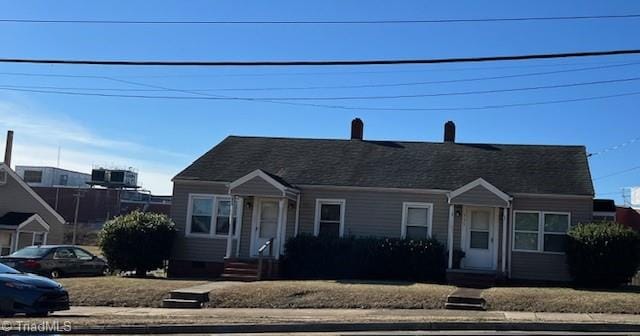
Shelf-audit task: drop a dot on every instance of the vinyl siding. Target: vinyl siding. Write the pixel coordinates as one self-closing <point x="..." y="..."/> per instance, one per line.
<point x="257" y="186"/>
<point x="547" y="266"/>
<point x="377" y="214"/>
<point x="13" y="197"/>
<point x="190" y="248"/>
<point x="479" y="195"/>
<point x="245" y="229"/>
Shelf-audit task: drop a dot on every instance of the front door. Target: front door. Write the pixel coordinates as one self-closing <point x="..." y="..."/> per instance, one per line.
<point x="265" y="225"/>
<point x="478" y="238"/>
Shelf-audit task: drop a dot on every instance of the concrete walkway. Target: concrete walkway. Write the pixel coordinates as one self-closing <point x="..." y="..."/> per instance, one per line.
<point x="249" y="315"/>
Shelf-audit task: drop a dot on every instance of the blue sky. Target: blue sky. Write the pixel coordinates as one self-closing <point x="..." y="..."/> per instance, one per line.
<point x="160" y="137"/>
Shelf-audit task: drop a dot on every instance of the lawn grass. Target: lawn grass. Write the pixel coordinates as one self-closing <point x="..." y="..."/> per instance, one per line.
<point x="330" y="294"/>
<point x="564" y="300"/>
<point x="121" y="291"/>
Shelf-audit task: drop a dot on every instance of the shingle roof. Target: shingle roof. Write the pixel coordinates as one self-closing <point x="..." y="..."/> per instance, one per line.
<point x="398" y="164"/>
<point x="15" y="218"/>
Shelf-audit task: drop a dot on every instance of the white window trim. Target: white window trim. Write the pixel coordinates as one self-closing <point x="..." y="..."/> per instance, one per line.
<point x="214" y="211"/>
<point x="540" y="232"/>
<point x="405" y="210"/>
<point x="319" y="203"/>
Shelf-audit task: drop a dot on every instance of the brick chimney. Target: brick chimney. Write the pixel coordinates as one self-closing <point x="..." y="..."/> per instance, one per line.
<point x="357" y="129"/>
<point x="449" y="132"/>
<point x="8" y="148"/>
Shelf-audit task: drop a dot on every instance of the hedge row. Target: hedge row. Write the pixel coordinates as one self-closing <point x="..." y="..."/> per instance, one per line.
<point x="309" y="257"/>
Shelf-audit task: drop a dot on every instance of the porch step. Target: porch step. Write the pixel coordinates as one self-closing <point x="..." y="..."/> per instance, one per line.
<point x="196" y="296"/>
<point x="239" y="277"/>
<point x="181" y="303"/>
<point x="240" y="269"/>
<point x="466" y="299"/>
<point x="463" y="306"/>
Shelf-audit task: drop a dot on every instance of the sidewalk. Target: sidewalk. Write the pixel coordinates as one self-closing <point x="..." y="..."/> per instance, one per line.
<point x="113" y="320"/>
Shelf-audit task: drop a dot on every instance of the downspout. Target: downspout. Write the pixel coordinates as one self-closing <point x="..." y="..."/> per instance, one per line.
<point x="450" y="234"/>
<point x="295" y="229"/>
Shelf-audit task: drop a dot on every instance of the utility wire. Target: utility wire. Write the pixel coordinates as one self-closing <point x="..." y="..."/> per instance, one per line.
<point x="439" y="94"/>
<point x="342" y="107"/>
<point x="328" y="87"/>
<point x="323" y="62"/>
<point x="617" y="173"/>
<point x="616" y="147"/>
<point x="321" y="22"/>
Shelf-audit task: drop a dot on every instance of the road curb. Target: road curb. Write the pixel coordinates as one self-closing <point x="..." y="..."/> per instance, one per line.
<point x="345" y="327"/>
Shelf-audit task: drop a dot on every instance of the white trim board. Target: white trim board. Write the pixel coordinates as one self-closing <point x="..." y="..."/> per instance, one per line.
<point x="260" y="173"/>
<point x="10" y="172"/>
<point x="483" y="183"/>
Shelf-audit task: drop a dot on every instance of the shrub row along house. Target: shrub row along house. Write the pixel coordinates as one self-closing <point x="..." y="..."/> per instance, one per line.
<point x="507" y="207"/>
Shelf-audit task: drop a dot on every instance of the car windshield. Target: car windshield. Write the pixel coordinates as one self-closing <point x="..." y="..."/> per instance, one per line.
<point x="30" y="252"/>
<point x="6" y="269"/>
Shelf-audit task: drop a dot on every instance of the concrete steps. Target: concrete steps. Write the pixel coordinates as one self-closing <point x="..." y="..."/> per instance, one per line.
<point x="466" y="299"/>
<point x="240" y="270"/>
<point x="181" y="303"/>
<point x="471" y="279"/>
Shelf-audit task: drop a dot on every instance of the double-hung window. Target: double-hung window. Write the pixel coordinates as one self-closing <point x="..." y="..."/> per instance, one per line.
<point x="540" y="231"/>
<point x="329" y="217"/>
<point x="208" y="216"/>
<point x="416" y="220"/>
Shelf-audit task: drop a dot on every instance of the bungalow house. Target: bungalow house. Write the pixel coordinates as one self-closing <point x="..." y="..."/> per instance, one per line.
<point x="507" y="207"/>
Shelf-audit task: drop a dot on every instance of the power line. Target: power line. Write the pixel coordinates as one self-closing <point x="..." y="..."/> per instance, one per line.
<point x="377" y="85"/>
<point x="322" y="62"/>
<point x="440" y="94"/>
<point x="321" y="22"/>
<point x="617" y="173"/>
<point x="616" y="147"/>
<point x="342" y="107"/>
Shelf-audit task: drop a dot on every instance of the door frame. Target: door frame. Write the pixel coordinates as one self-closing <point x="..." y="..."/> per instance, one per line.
<point x="494" y="236"/>
<point x="255" y="217"/>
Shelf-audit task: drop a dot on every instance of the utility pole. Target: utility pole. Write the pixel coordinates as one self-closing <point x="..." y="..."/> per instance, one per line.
<point x="78" y="194"/>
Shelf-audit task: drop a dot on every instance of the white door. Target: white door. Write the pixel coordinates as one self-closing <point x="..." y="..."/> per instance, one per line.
<point x="478" y="243"/>
<point x="265" y="225"/>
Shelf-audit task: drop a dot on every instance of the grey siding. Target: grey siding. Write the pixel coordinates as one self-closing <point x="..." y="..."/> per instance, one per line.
<point x="189" y="248"/>
<point x="378" y="213"/>
<point x="547" y="266"/>
<point x="245" y="229"/>
<point x="479" y="195"/>
<point x="257" y="186"/>
<point x="15" y="198"/>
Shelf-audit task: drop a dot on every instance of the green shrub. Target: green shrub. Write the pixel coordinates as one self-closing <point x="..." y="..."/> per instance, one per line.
<point x="139" y="241"/>
<point x="309" y="257"/>
<point x="603" y="254"/>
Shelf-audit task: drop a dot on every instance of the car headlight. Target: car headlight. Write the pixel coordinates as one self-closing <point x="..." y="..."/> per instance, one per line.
<point x="18" y="285"/>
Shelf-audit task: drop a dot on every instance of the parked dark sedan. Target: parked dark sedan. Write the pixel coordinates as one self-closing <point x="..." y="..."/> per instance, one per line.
<point x="30" y="294"/>
<point x="55" y="261"/>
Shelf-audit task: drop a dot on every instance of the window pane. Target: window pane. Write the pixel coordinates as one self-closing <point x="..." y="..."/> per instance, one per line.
<point x="417" y="216"/>
<point x="527" y="221"/>
<point x="202" y="207"/>
<point x="329" y="229"/>
<point x="330" y="212"/>
<point x="417" y="232"/>
<point x="224" y="207"/>
<point x="479" y="240"/>
<point x="556" y="223"/>
<point x="526" y="241"/>
<point x="200" y="224"/>
<point x="33" y="176"/>
<point x="555" y="243"/>
<point x="222" y="225"/>
<point x="480" y="220"/>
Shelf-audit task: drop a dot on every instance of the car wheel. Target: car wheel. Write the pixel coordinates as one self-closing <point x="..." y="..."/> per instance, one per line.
<point x="105" y="271"/>
<point x="55" y="274"/>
